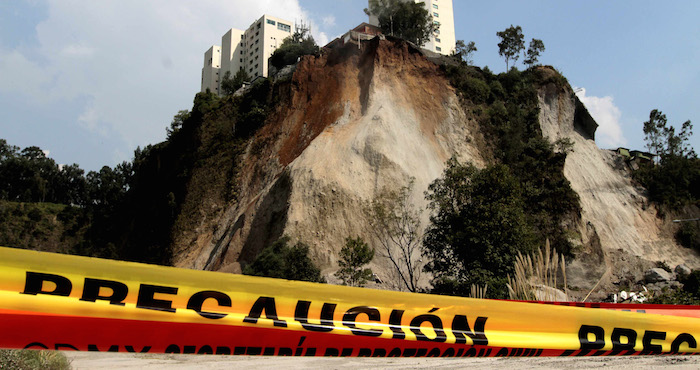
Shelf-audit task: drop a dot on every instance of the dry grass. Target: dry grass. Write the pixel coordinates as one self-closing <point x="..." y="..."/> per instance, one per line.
<point x="536" y="276"/>
<point x="31" y="359"/>
<point x="478" y="291"/>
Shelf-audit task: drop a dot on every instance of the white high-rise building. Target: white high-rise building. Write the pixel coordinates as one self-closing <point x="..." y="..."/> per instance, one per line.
<point x="211" y="70"/>
<point x="248" y="50"/>
<point x="443" y="40"/>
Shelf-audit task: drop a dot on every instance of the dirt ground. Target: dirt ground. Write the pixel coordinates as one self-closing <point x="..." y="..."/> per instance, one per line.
<point x="91" y="360"/>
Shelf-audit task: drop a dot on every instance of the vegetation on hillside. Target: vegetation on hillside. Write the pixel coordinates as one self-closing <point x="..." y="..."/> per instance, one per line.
<point x="537" y="200"/>
<point x="293" y="47"/>
<point x="281" y="261"/>
<point x="395" y="224"/>
<point x="353" y="257"/>
<point x="52" y="227"/>
<point x="673" y="180"/>
<point x="688" y="295"/>
<point x="512" y="44"/>
<point x="128" y="212"/>
<point x="477" y="229"/>
<point x="230" y="85"/>
<point x="464" y="52"/>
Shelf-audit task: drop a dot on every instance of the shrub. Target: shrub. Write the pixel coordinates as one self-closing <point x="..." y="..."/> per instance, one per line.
<point x="688" y="235"/>
<point x="282" y="262"/>
<point x="30" y="359"/>
<point x="477" y="229"/>
<point x="354" y="255"/>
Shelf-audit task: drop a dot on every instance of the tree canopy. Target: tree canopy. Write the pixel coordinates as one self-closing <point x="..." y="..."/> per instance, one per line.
<point x="231" y="85"/>
<point x="662" y="139"/>
<point x="477" y="227"/>
<point x="675" y="181"/>
<point x="464" y="51"/>
<point x="533" y="52"/>
<point x="281" y="261"/>
<point x="405" y="19"/>
<point x="353" y="257"/>
<point x="511" y="44"/>
<point x="300" y="43"/>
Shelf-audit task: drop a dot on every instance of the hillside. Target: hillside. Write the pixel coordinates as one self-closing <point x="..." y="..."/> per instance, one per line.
<point x="349" y="123"/>
<point x="305" y="154"/>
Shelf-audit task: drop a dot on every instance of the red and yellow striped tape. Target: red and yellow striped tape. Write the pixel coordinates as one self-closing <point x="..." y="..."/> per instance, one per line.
<point x="53" y="301"/>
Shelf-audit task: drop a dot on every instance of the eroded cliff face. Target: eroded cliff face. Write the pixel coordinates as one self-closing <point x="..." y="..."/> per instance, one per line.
<point x="352" y="122"/>
<point x="621" y="234"/>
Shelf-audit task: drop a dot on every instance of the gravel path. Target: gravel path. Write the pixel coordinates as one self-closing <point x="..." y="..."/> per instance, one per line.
<point x="89" y="360"/>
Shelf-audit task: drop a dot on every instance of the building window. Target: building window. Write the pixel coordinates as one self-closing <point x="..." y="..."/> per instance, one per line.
<point x="256" y="41"/>
<point x="241" y="60"/>
<point x="438" y="48"/>
<point x="259" y="25"/>
<point x="437" y="32"/>
<point x="256" y="66"/>
<point x="284" y="27"/>
<point x="270" y="21"/>
<point x="437" y="39"/>
<point x="435" y="15"/>
<point x="436" y="23"/>
<point x="242" y="36"/>
<point x="435" y="6"/>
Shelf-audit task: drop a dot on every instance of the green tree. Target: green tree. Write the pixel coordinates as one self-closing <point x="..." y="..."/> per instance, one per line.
<point x="231" y="85"/>
<point x="395" y="223"/>
<point x="511" y="44"/>
<point x="71" y="185"/>
<point x="7" y="151"/>
<point x="354" y="255"/>
<point x="661" y="138"/>
<point x="300" y="43"/>
<point x="280" y="261"/>
<point x="405" y="19"/>
<point x="477" y="227"/>
<point x="533" y="52"/>
<point x="177" y="122"/>
<point x="464" y="51"/>
<point x="675" y="182"/>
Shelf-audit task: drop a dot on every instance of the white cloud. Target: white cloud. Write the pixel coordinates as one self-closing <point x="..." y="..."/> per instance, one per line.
<point x="322" y="39"/>
<point x="328" y="21"/>
<point x="132" y="64"/>
<point x="21" y="75"/>
<point x="607" y="115"/>
<point x="77" y="51"/>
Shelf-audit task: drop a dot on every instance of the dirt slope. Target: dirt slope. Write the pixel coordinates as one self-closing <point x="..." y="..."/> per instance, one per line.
<point x="351" y="122"/>
<point x="621" y="233"/>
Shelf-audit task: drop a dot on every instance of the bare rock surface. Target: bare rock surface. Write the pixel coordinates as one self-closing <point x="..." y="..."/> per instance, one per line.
<point x="657" y="275"/>
<point x="351" y="122"/>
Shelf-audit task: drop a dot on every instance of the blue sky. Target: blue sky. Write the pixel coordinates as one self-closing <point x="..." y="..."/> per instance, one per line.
<point x="91" y="80"/>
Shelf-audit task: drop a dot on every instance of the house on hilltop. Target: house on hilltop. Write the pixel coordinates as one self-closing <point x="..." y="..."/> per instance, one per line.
<point x="363" y="32"/>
